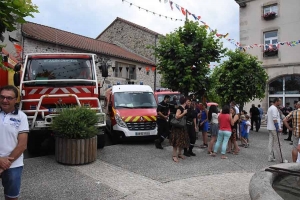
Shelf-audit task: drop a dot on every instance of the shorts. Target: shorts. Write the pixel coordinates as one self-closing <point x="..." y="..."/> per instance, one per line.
<point x="214" y="129"/>
<point x="245" y="135"/>
<point x="295" y="141"/>
<point x="11" y="181"/>
<point x="204" y="127"/>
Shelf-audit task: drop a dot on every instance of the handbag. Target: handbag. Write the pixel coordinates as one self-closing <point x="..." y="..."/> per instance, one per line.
<point x="178" y="123"/>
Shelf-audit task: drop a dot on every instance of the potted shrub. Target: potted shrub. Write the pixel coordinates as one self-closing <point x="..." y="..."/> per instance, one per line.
<point x="270" y="52"/>
<point x="75" y="135"/>
<point x="269" y="15"/>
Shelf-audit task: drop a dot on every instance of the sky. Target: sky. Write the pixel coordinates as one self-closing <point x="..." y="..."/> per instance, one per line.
<point x="90" y="17"/>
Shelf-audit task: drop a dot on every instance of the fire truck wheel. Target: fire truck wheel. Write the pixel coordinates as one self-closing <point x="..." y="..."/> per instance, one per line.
<point x="100" y="141"/>
<point x="34" y="143"/>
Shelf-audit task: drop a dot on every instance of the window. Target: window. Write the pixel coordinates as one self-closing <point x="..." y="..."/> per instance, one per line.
<point x="270" y="38"/>
<point x="292" y="84"/>
<point x="124" y="70"/>
<point x="276" y="86"/>
<point x="271" y="8"/>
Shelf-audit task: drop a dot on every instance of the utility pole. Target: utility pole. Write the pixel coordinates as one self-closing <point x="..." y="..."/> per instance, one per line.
<point x="186" y="15"/>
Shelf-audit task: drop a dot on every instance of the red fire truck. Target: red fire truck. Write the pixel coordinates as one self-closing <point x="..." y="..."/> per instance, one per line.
<point x="48" y="80"/>
<point x="162" y="92"/>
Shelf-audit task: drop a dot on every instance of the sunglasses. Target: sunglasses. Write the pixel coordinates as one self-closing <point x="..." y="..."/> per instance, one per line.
<point x="7" y="98"/>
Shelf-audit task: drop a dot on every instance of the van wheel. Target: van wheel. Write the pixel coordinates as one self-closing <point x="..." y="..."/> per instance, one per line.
<point x="114" y="137"/>
<point x="100" y="141"/>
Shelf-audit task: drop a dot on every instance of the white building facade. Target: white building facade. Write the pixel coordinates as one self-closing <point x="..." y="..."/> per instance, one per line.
<point x="270" y="30"/>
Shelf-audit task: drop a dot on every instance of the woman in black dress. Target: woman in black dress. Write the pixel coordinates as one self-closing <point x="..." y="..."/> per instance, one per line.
<point x="179" y="137"/>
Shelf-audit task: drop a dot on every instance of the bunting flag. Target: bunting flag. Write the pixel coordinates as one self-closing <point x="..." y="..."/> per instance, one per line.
<point x="154" y="13"/>
<point x="171" y="5"/>
<point x="183" y="11"/>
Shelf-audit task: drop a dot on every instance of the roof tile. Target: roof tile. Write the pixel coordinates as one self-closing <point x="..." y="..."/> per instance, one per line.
<point x="60" y="37"/>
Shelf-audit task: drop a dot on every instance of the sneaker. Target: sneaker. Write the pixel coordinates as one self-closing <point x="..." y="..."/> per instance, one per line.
<point x="285" y="161"/>
<point x="158" y="144"/>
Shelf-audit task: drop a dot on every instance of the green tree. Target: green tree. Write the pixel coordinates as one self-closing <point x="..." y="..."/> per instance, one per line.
<point x="240" y="78"/>
<point x="13" y="12"/>
<point x="184" y="55"/>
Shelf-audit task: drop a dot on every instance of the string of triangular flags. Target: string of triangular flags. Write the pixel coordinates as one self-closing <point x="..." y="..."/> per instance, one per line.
<point x="232" y="41"/>
<point x="149" y="11"/>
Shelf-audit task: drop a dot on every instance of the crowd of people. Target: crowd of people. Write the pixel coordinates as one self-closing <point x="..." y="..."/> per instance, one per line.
<point x="227" y="127"/>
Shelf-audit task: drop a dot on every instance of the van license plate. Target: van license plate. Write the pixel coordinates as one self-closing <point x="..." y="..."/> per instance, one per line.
<point x="142" y="133"/>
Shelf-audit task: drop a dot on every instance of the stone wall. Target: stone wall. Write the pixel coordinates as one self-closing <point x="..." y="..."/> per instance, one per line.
<point x="132" y="39"/>
<point x="34" y="46"/>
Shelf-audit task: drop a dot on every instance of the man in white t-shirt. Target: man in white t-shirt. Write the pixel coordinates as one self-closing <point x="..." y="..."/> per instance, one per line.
<point x="273" y="126"/>
<point x="13" y="141"/>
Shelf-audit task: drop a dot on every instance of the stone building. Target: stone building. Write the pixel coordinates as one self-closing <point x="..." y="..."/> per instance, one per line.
<point x="125" y="65"/>
<point x="275" y="24"/>
<point x="133" y="37"/>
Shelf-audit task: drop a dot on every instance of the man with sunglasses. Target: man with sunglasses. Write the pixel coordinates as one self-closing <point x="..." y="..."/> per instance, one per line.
<point x="13" y="141"/>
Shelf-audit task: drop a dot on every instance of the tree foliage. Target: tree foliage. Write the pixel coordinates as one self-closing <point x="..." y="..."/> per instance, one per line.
<point x="13" y="12"/>
<point x="188" y="46"/>
<point x="241" y="78"/>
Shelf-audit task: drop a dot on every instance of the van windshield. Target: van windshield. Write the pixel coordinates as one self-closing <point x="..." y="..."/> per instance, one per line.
<point x="40" y="70"/>
<point x="134" y="100"/>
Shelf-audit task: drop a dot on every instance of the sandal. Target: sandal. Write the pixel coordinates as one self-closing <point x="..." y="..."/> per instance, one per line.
<point x="181" y="156"/>
<point x="175" y="159"/>
<point x="235" y="153"/>
<point x="213" y="154"/>
<point x="224" y="157"/>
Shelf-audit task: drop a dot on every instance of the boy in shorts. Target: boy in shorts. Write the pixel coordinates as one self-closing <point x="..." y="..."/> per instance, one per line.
<point x="244" y="134"/>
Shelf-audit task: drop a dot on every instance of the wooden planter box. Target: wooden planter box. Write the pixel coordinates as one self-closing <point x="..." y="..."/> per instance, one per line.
<point x="75" y="151"/>
<point x="270" y="16"/>
<point x="270" y="53"/>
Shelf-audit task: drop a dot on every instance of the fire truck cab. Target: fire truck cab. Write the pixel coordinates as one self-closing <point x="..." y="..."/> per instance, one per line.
<point x="131" y="112"/>
<point x="162" y="92"/>
<point x="49" y="80"/>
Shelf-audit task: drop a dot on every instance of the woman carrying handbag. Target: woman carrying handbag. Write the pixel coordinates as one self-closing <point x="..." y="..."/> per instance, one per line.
<point x="179" y="138"/>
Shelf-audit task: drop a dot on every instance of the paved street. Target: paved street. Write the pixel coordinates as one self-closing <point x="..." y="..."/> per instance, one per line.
<point x="139" y="171"/>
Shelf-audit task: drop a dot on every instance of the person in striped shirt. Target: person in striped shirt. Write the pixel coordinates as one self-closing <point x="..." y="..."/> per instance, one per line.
<point x="295" y="117"/>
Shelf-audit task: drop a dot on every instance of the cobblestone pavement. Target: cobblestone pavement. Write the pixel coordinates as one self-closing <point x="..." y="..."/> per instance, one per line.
<point x="140" y="171"/>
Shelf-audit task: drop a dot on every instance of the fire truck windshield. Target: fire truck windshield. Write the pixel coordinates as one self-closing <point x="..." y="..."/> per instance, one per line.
<point x="134" y="100"/>
<point x="161" y="97"/>
<point x="72" y="69"/>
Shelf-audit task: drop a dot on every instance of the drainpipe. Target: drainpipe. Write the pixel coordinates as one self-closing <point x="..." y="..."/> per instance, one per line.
<point x="155" y="64"/>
